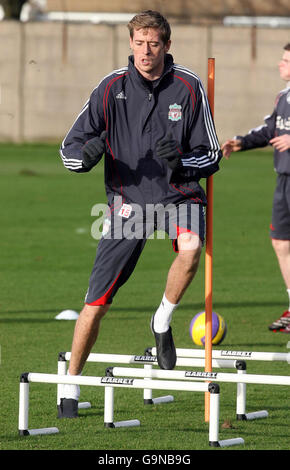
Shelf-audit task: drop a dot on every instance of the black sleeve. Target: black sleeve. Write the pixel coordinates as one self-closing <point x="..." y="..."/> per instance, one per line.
<point x="260" y="136"/>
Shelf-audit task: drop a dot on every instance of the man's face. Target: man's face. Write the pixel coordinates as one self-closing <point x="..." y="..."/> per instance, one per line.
<point x="284" y="66"/>
<point x="149" y="51"/>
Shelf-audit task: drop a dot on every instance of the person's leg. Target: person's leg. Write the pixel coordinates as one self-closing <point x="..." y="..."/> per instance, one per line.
<point x="188" y="227"/>
<point x="114" y="263"/>
<point x="184" y="267"/>
<point x="282" y="250"/>
<point x="280" y="236"/>
<point x="85" y="335"/>
<point x="88" y="324"/>
<point x="180" y="275"/>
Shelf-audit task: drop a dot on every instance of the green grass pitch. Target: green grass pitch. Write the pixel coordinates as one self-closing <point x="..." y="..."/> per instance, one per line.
<point x="47" y="252"/>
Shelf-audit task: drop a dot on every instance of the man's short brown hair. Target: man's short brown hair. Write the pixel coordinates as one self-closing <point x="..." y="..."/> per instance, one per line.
<point x="150" y="19"/>
<point x="287" y="47"/>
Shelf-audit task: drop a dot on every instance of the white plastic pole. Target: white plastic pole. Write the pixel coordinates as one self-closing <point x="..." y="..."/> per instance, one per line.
<point x="241" y="396"/>
<point x="128" y="359"/>
<point x="23" y="406"/>
<point x="109" y="407"/>
<point x="214" y="417"/>
<point x="216" y="363"/>
<point x="116" y="382"/>
<point x="147" y="393"/>
<point x="61" y="370"/>
<point x="227" y="354"/>
<point x="198" y="376"/>
<point x="110" y="358"/>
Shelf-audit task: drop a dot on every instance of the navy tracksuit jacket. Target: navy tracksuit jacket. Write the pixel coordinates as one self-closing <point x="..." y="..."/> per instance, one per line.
<point x="278" y="123"/>
<point x="138" y="113"/>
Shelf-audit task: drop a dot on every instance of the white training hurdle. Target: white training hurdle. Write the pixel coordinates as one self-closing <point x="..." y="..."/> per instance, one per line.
<point x="149" y="379"/>
<point x="110" y="383"/>
<point x="225" y="354"/>
<point x="197" y="376"/>
<point x="149" y="361"/>
<point x="244" y="356"/>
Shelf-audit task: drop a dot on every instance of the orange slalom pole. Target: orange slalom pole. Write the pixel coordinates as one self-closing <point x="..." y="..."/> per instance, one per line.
<point x="209" y="248"/>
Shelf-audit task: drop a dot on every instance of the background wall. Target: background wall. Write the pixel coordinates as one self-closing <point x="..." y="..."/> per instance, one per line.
<point x="176" y="9"/>
<point x="48" y="71"/>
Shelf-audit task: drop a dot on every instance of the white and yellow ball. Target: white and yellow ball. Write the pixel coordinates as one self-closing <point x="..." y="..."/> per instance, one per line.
<point x="197" y="328"/>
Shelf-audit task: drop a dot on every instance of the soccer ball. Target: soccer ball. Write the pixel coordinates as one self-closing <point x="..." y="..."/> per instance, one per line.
<point x="197" y="328"/>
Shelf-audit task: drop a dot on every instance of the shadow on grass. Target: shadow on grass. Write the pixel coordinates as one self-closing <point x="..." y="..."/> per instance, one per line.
<point x="145" y="309"/>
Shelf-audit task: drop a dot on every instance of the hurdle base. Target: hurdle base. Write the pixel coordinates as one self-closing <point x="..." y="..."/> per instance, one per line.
<point x="158" y="400"/>
<point x="123" y="424"/>
<point x="84" y="405"/>
<point x="227" y="442"/>
<point x="36" y="432"/>
<point x="254" y="415"/>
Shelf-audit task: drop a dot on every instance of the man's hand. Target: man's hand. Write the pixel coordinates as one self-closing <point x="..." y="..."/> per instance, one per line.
<point x="167" y="149"/>
<point x="233" y="145"/>
<point x="281" y="143"/>
<point x="93" y="150"/>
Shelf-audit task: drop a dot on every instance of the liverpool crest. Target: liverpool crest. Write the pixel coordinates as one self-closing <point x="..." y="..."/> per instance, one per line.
<point x="174" y="113"/>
